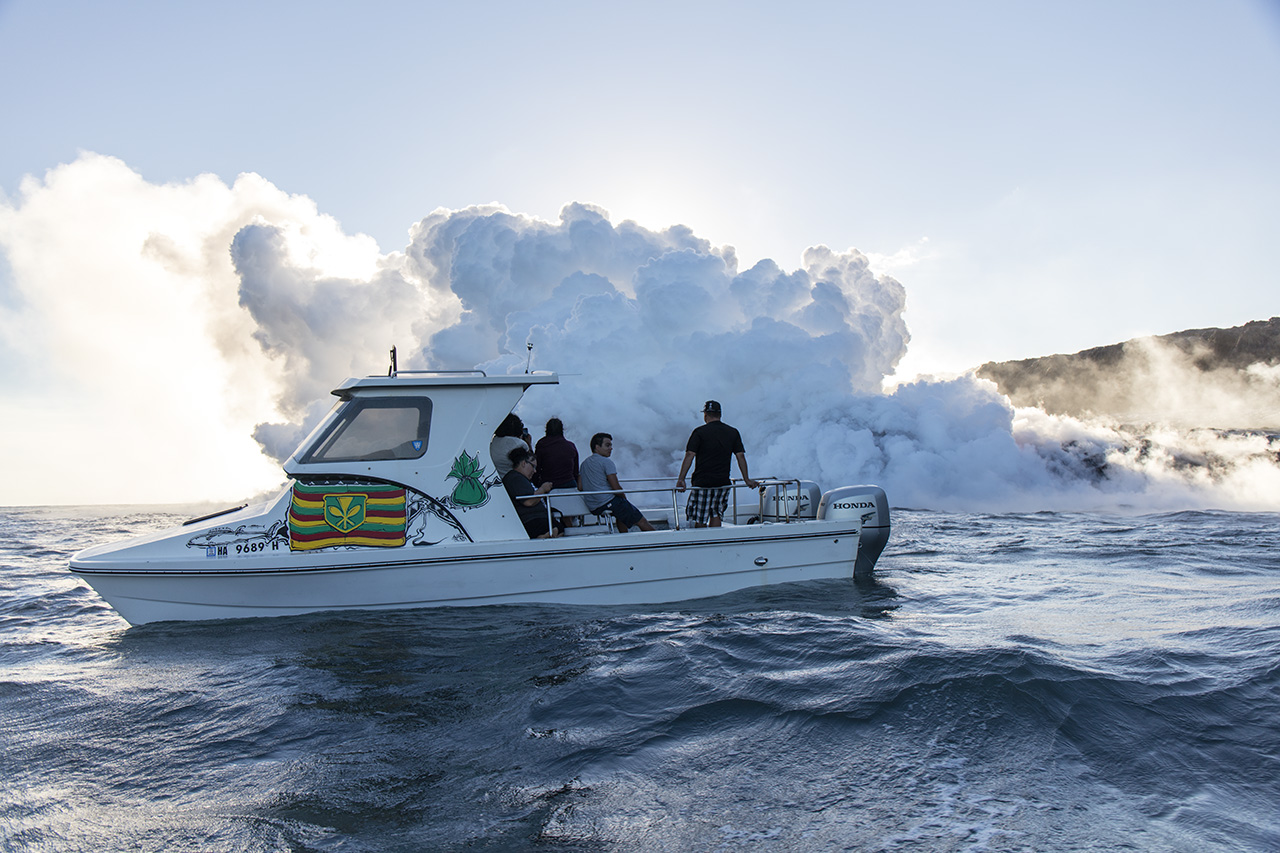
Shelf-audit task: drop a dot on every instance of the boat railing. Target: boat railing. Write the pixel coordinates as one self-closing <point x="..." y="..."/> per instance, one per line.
<point x="768" y="488"/>
<point x="765" y="487"/>
<point x="396" y="372"/>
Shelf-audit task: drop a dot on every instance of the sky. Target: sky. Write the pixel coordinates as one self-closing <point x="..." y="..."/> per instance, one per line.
<point x="1039" y="178"/>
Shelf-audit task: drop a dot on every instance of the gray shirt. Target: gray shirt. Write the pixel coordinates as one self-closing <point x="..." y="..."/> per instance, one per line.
<point x="595" y="471"/>
<point x="498" y="450"/>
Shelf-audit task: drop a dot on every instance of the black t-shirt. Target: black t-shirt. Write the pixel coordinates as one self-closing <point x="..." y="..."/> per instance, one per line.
<point x="520" y="490"/>
<point x="713" y="445"/>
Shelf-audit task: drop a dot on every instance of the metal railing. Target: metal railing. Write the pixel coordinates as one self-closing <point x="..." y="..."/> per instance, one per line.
<point x="395" y="372"/>
<point x="763" y="487"/>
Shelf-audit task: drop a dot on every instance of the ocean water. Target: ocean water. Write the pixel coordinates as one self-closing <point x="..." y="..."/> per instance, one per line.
<point x="1015" y="682"/>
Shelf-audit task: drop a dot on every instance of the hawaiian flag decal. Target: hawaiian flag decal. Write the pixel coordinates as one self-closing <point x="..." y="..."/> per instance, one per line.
<point x="325" y="516"/>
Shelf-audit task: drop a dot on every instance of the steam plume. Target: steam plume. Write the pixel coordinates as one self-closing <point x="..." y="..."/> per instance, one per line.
<point x="645" y="325"/>
<point x="233" y="310"/>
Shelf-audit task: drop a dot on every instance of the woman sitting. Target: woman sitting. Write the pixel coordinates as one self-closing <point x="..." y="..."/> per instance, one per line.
<point x="529" y="507"/>
<point x="510" y="435"/>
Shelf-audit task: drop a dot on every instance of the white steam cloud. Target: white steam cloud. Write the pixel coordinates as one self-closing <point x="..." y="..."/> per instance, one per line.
<point x="190" y="317"/>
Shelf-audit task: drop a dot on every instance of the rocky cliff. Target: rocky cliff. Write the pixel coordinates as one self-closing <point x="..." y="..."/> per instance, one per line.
<point x="1219" y="378"/>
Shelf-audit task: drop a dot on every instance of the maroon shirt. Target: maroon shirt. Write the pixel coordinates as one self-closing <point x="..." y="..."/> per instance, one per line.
<point x="557" y="461"/>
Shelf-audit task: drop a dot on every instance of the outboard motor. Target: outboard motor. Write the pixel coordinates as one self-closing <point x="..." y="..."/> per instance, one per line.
<point x="792" y="500"/>
<point x="872" y="505"/>
<point x="787" y="502"/>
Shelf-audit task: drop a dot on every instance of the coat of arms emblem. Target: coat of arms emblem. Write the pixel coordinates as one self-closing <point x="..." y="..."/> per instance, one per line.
<point x="344" y="513"/>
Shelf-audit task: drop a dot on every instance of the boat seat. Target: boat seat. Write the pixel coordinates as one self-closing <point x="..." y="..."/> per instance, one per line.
<point x="606" y="516"/>
<point x="569" y="504"/>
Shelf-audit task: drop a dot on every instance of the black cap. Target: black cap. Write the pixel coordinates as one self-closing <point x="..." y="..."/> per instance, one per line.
<point x="711" y="407"/>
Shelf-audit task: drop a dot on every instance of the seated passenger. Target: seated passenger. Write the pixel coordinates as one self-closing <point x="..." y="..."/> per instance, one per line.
<point x="506" y="438"/>
<point x="530" y="509"/>
<point x="598" y="473"/>
<point x="557" y="458"/>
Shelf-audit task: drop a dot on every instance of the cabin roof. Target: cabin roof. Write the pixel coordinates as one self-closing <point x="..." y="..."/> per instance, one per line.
<point x="415" y="380"/>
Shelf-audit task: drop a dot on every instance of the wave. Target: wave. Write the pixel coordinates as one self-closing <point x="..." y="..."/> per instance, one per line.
<point x="1031" y="680"/>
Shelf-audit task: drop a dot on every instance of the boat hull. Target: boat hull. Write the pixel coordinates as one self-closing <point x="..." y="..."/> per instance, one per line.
<point x="633" y="568"/>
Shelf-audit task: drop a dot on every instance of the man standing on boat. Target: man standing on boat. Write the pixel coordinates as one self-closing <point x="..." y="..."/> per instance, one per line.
<point x="598" y="473"/>
<point x="713" y="444"/>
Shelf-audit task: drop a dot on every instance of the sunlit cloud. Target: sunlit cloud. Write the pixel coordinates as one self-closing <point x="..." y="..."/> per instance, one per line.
<point x="904" y="258"/>
<point x="183" y="337"/>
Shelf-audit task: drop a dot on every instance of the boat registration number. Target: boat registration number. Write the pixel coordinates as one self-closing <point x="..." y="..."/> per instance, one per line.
<point x="218" y="551"/>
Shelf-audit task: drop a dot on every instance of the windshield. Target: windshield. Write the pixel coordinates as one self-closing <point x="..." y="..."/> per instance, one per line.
<point x="374" y="428"/>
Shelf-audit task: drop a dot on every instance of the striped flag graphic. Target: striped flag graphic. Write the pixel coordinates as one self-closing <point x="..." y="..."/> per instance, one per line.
<point x="350" y="514"/>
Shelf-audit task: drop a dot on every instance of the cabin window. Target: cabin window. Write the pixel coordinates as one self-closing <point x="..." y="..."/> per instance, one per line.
<point x="376" y="428"/>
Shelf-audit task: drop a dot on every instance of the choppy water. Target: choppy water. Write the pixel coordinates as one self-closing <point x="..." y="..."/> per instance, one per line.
<point x="1009" y="682"/>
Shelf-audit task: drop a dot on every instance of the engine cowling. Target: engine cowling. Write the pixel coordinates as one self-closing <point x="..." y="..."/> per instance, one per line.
<point x="871" y="505"/>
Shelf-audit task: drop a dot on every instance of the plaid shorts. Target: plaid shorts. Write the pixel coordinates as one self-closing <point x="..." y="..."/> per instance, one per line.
<point x="705" y="503"/>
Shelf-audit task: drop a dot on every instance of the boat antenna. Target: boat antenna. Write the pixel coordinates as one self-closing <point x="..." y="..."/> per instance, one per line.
<point x="392" y="370"/>
<point x="529" y="360"/>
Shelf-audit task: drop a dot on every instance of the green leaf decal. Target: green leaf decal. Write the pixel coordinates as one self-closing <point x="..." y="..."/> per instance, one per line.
<point x="468" y="471"/>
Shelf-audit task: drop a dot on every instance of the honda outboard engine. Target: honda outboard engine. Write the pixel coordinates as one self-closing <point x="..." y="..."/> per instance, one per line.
<point x="790" y="500"/>
<point x="786" y="501"/>
<point x="870" y="504"/>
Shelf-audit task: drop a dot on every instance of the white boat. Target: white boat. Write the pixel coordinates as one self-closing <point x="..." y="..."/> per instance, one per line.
<point x="393" y="503"/>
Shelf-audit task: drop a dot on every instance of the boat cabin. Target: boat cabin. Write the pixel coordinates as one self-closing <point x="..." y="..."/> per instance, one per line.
<point x="425" y="431"/>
